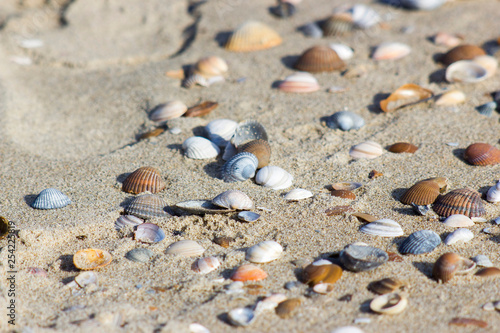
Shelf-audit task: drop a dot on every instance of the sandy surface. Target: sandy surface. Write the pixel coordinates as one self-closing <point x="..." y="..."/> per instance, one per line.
<point x="69" y="120"/>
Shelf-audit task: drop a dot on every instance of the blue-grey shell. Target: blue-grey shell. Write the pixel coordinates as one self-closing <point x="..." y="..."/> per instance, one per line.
<point x="487" y="109"/>
<point x="139" y="255"/>
<point x="51" y="198"/>
<point x="146" y="206"/>
<point x="311" y="30"/>
<point x="240" y="167"/>
<point x="419" y="242"/>
<point x="358" y="258"/>
<point x="248" y="216"/>
<point x="345" y="120"/>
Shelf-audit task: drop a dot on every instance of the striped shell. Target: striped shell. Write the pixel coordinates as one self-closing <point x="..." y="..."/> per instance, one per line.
<point x="260" y="148"/>
<point x="205" y="265"/>
<point x="462" y="52"/>
<point x="462" y="201"/>
<point x="145" y="179"/>
<point x="383" y="228"/>
<point x="391" y="51"/>
<point x="368" y="150"/>
<point x="321" y="271"/>
<point x="461" y="235"/>
<point x="167" y="111"/>
<point x="248" y="272"/>
<point x="345" y="121"/>
<point x="220" y="131"/>
<point x="88" y="259"/>
<point x="197" y="147"/>
<point x="127" y="221"/>
<point x="300" y="82"/>
<point x="253" y="36"/>
<point x="482" y="154"/>
<point x="240" y="167"/>
<point x="146" y="206"/>
<point x="233" y="199"/>
<point x="487" y="108"/>
<point x="450" y="264"/>
<point x="274" y="177"/>
<point x="419" y="242"/>
<point x="139" y="255"/>
<point x="386" y="286"/>
<point x="466" y="71"/>
<point x="50" y="198"/>
<point x="149" y="233"/>
<point x="298" y="194"/>
<point x="358" y="258"/>
<point x="458" y="221"/>
<point x="402" y="147"/>
<point x="211" y="66"/>
<point x="185" y="248"/>
<point x="405" y="95"/>
<point x="263" y="252"/>
<point x="422" y="193"/>
<point x="319" y="59"/>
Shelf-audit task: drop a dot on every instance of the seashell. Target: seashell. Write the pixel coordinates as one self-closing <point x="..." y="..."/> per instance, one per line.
<point x="269" y="303"/>
<point x="422" y="193"/>
<point x="348" y="329"/>
<point x="201" y="207"/>
<point x="392" y="303"/>
<point x="367" y="149"/>
<point x="50" y="198"/>
<point x="248" y="272"/>
<point x="488" y="272"/>
<point x="233" y="199"/>
<point x="458" y="321"/>
<point x="346" y="186"/>
<point x="358" y="258"/>
<point x="205" y="265"/>
<point x="462" y="52"/>
<point x="487" y="109"/>
<point x="300" y="82"/>
<point x="405" y="95"/>
<point x="458" y="221"/>
<point x="345" y="18"/>
<point x="144" y="179"/>
<point x="446" y="39"/>
<point x="345" y="121"/>
<point x="450" y="264"/>
<point x="462" y="201"/>
<point x="345" y="194"/>
<point x="419" y="242"/>
<point x="88" y="259"/>
<point x="85" y="279"/>
<point x="197" y="328"/>
<point x="319" y="59"/>
<point x="223" y="241"/>
<point x="383" y="228"/>
<point x="151" y="134"/>
<point x="247" y="216"/>
<point x="240" y="167"/>
<point x="461" y="235"/>
<point x="241" y="316"/>
<point x="146" y="206"/>
<point x="390" y="51"/>
<point x="337" y="210"/>
<point x="298" y="194"/>
<point x="139" y="255"/>
<point x="263" y="252"/>
<point x="127" y="221"/>
<point x="283" y="9"/>
<point x="197" y="147"/>
<point x="286" y="308"/>
<point x="482" y="154"/>
<point x="338" y="24"/>
<point x="220" y="131"/>
<point x="311" y="30"/>
<point x="323" y="288"/>
<point x="201" y="109"/>
<point x="422" y="4"/>
<point x="185" y="248"/>
<point x="211" y="66"/>
<point x="167" y="111"/>
<point x="365" y="217"/>
<point x="466" y="71"/>
<point x="260" y="148"/>
<point x="4" y="227"/>
<point x="482" y="260"/>
<point x="487" y="62"/>
<point x="252" y="36"/>
<point x="364" y="17"/>
<point x="386" y="286"/>
<point x="248" y="131"/>
<point x="149" y="233"/>
<point x="343" y="51"/>
<point x="493" y="194"/>
<point x="402" y="147"/>
<point x="274" y="177"/>
<point x="194" y="79"/>
<point x="451" y="97"/>
<point x="321" y="272"/>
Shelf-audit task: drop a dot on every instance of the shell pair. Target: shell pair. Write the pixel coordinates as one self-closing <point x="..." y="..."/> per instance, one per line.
<point x="424" y="192"/>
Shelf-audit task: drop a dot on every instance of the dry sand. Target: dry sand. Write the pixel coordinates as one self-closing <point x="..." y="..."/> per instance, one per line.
<point x="69" y="117"/>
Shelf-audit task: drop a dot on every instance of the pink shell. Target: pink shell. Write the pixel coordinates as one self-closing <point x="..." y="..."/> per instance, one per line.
<point x="299" y="82"/>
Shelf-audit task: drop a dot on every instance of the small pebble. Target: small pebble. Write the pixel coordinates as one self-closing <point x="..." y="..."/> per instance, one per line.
<point x="362" y="320"/>
<point x="453" y="144"/>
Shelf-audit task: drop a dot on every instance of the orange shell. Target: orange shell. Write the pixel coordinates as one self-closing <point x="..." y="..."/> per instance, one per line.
<point x="403" y="96"/>
<point x="482" y="154"/>
<point x="462" y="52"/>
<point x="345" y="194"/>
<point x="402" y="147"/>
<point x="201" y="109"/>
<point x="285" y="309"/>
<point x="248" y="272"/>
<point x="142" y="180"/>
<point x="488" y="272"/>
<point x="88" y="259"/>
<point x="319" y="59"/>
<point x="329" y="273"/>
<point x="424" y="192"/>
<point x="462" y="201"/>
<point x="445" y="267"/>
<point x="260" y="148"/>
<point x="253" y="36"/>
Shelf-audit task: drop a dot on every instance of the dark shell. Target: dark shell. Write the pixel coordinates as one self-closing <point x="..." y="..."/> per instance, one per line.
<point x="482" y="154"/>
<point x="319" y="59"/>
<point x="315" y="274"/>
<point x="201" y="109"/>
<point x="145" y="179"/>
<point x="450" y="264"/>
<point x="260" y="148"/>
<point x="283" y="9"/>
<point x="463" y="201"/>
<point x="386" y="286"/>
<point x="358" y="258"/>
<point x="419" y="242"/>
<point x="402" y="147"/>
<point x="146" y="206"/>
<point x="462" y="52"/>
<point x="422" y="193"/>
<point x="345" y="194"/>
<point x="286" y="308"/>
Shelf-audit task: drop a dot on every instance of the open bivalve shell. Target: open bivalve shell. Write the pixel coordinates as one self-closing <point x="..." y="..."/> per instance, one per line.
<point x="127" y="221"/>
<point x="358" y="258"/>
<point x="466" y="71"/>
<point x="240" y="167"/>
<point x="464" y="201"/>
<point x="319" y="59"/>
<point x="405" y="95"/>
<point x="389" y="304"/>
<point x="252" y="36"/>
<point x="493" y="194"/>
<point x="387" y="286"/>
<point x="167" y="111"/>
<point x="274" y="177"/>
<point x="482" y="154"/>
<point x="263" y="252"/>
<point x="144" y="179"/>
<point x="450" y="264"/>
<point x="419" y="242"/>
<point x="51" y="198"/>
<point x="300" y="82"/>
<point x="88" y="259"/>
<point x="383" y="228"/>
<point x="197" y="147"/>
<point x="461" y="235"/>
<point x="368" y="150"/>
<point x="391" y="51"/>
<point x="345" y="121"/>
<point x="298" y="194"/>
<point x="321" y="272"/>
<point x="205" y="265"/>
<point x="248" y="272"/>
<point x="147" y="206"/>
<point x="149" y="233"/>
<point x="220" y="131"/>
<point x="233" y="199"/>
<point x="185" y="248"/>
<point x="458" y="221"/>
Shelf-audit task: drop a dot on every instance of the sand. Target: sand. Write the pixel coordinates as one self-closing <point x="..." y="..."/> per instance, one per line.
<point x="71" y="111"/>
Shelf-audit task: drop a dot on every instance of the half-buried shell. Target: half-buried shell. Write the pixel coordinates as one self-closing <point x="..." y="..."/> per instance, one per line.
<point x="345" y="121"/>
<point x="368" y="150"/>
<point x="211" y="66"/>
<point x="462" y="52"/>
<point x="464" y="201"/>
<point x="248" y="272"/>
<point x="51" y="198"/>
<point x="461" y="235"/>
<point x="144" y="179"/>
<point x="383" y="228"/>
<point x="450" y="264"/>
<point x="391" y="51"/>
<point x="252" y="36"/>
<point x="386" y="286"/>
<point x="319" y="59"/>
<point x="458" y="221"/>
<point x="358" y="258"/>
<point x="205" y="265"/>
<point x="220" y="131"/>
<point x="139" y="255"/>
<point x="321" y="271"/>
<point x="127" y="221"/>
<point x="402" y="147"/>
<point x="88" y="259"/>
<point x="298" y="194"/>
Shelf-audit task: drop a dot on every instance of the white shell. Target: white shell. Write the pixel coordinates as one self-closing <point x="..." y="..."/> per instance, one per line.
<point x="493" y="194"/>
<point x="170" y="110"/>
<point x="389" y="303"/>
<point x="240" y="167"/>
<point x="197" y="147"/>
<point x="458" y="221"/>
<point x="488" y="62"/>
<point x="321" y="262"/>
<point x="127" y="221"/>
<point x="482" y="260"/>
<point x="186" y="248"/>
<point x="391" y="51"/>
<point x="298" y="194"/>
<point x="233" y="199"/>
<point x="364" y="16"/>
<point x="460" y="235"/>
<point x="451" y="97"/>
<point x="345" y="121"/>
<point x="423" y="4"/>
<point x="269" y="303"/>
<point x="265" y="251"/>
<point x="220" y="131"/>
<point x="447" y="39"/>
<point x="300" y="82"/>
<point x="274" y="177"/>
<point x="383" y="228"/>
<point x="241" y="316"/>
<point x="205" y="265"/>
<point x="323" y="288"/>
<point x="368" y="150"/>
<point x="197" y="328"/>
<point x="343" y="51"/>
<point x="465" y="71"/>
<point x="348" y="329"/>
<point x="247" y="216"/>
<point x="211" y="66"/>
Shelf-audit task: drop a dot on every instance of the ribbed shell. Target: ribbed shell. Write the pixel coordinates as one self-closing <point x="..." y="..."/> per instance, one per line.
<point x="51" y="198"/>
<point x="345" y="121"/>
<point x="240" y="167"/>
<point x="260" y="148"/>
<point x="402" y="147"/>
<point x="185" y="248"/>
<point x="274" y="177"/>
<point x="338" y="24"/>
<point x="248" y="131"/>
<point x="91" y="259"/>
<point x="462" y="201"/>
<point x="197" y="147"/>
<point x="220" y="131"/>
<point x="146" y="206"/>
<point x="149" y="233"/>
<point x="127" y="221"/>
<point x="482" y="154"/>
<point x="419" y="242"/>
<point x="145" y="179"/>
<point x="383" y="228"/>
<point x="386" y="286"/>
<point x="422" y="193"/>
<point x="319" y="59"/>
<point x="233" y="199"/>
<point x="368" y="150"/>
<point x="167" y="111"/>
<point x="359" y="258"/>
<point x="462" y="52"/>
<point x="253" y="36"/>
<point x="263" y="252"/>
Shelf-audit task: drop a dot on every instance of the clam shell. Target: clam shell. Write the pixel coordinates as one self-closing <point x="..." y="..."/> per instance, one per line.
<point x="211" y="66"/>
<point x="358" y="258"/>
<point x="233" y="199"/>
<point x="391" y="51"/>
<point x="274" y="177"/>
<point x="149" y="233"/>
<point x="85" y="279"/>
<point x="346" y="186"/>
<point x="286" y="308"/>
<point x="487" y="109"/>
<point x="365" y="217"/>
<point x="248" y="272"/>
<point x="220" y="131"/>
<point x="461" y="235"/>
<point x="323" y="288"/>
<point x="50" y="198"/>
<point x="368" y="150"/>
<point x="462" y="201"/>
<point x="422" y="4"/>
<point x="240" y="167"/>
<point x="263" y="252"/>
<point x="319" y="59"/>
<point x="311" y="30"/>
<point x="205" y="265"/>
<point x="383" y="228"/>
<point x="252" y="36"/>
<point x="247" y="216"/>
<point x="260" y="148"/>
<point x="298" y="194"/>
<point x="146" y="206"/>
<point x="345" y="121"/>
<point x="386" y="286"/>
<point x="185" y="248"/>
<point x="402" y="147"/>
<point x="422" y="193"/>
<point x="462" y="52"/>
<point x="201" y="207"/>
<point x="345" y="194"/>
<point x="167" y="111"/>
<point x="458" y="221"/>
<point x="343" y="51"/>
<point x="450" y="264"/>
<point x="452" y="97"/>
<point x="466" y="71"/>
<point x="139" y="255"/>
<point x="88" y="259"/>
<point x="405" y="95"/>
<point x="127" y="221"/>
<point x="392" y="303"/>
<point x="197" y="147"/>
<point x="459" y="321"/>
<point x="144" y="179"/>
<point x="419" y="242"/>
<point x="482" y="260"/>
<point x="493" y="194"/>
<point x="223" y="241"/>
<point x="322" y="271"/>
<point x="300" y="82"/>
<point x="241" y="316"/>
<point x="482" y="154"/>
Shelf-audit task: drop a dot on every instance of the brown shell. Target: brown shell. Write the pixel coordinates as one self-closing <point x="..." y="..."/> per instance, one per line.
<point x="488" y="272"/>
<point x="445" y="267"/>
<point x="142" y="180"/>
<point x="201" y="109"/>
<point x="460" y="321"/>
<point x="462" y="52"/>
<point x="88" y="259"/>
<point x="319" y="59"/>
<point x="405" y="95"/>
<point x="402" y="147"/>
<point x="375" y="174"/>
<point x="365" y="217"/>
<point x="424" y="192"/>
<point x="482" y="154"/>
<point x="314" y="274"/>
<point x="386" y="286"/>
<point x="338" y="24"/>
<point x="223" y="241"/>
<point x="253" y="36"/>
<point x="345" y="194"/>
<point x="286" y="308"/>
<point x="462" y="201"/>
<point x="260" y="148"/>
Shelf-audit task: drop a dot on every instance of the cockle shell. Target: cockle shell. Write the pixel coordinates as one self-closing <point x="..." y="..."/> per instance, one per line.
<point x="319" y="59"/>
<point x="383" y="228"/>
<point x="252" y="36"/>
<point x="127" y="221"/>
<point x="391" y="51"/>
<point x="146" y="206"/>
<point x="343" y="51"/>
<point x="197" y="147"/>
<point x="144" y="179"/>
<point x="419" y="242"/>
<point x="185" y="248"/>
<point x="493" y="194"/>
<point x="240" y="167"/>
<point x="321" y="271"/>
<point x="462" y="52"/>
<point x="461" y="201"/>
<point x="220" y="131"/>
<point x="345" y="121"/>
<point x="50" y="198"/>
<point x="405" y="95"/>
<point x="149" y="233"/>
<point x="402" y="147"/>
<point x="359" y="258"/>
<point x="283" y="9"/>
<point x="300" y="82"/>
<point x="422" y="4"/>
<point x="260" y="148"/>
<point x="274" y="177"/>
<point x="139" y="255"/>
<point x="263" y="252"/>
<point x="248" y="272"/>
<point x="386" y="286"/>
<point x="452" y="97"/>
<point x="487" y="108"/>
<point x="194" y="79"/>
<point x="368" y="150"/>
<point x="450" y="264"/>
<point x="482" y="154"/>
<point x="346" y="17"/>
<point x="88" y="259"/>
<point x="167" y="111"/>
<point x="233" y="199"/>
<point x="458" y="221"/>
<point x="211" y="66"/>
<point x="422" y="193"/>
<point x="466" y="71"/>
<point x="298" y="194"/>
<point x="461" y="235"/>
<point x="392" y="303"/>
<point x="205" y="265"/>
<point x="338" y="24"/>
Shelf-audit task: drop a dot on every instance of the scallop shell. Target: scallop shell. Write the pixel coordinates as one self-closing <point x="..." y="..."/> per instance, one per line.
<point x="240" y="167"/>
<point x="167" y="111"/>
<point x="241" y="316"/>
<point x="422" y="4"/>
<point x="461" y="235"/>
<point x="402" y="147"/>
<point x="466" y="71"/>
<point x="233" y="199"/>
<point x="197" y="147"/>
<point x="368" y="150"/>
<point x="386" y="286"/>
<point x="345" y="121"/>
<point x="419" y="242"/>
<point x="248" y="272"/>
<point x="127" y="221"/>
<point x="253" y="36"/>
<point x="247" y="216"/>
<point x="50" y="198"/>
<point x="392" y="303"/>
<point x="383" y="228"/>
<point x="274" y="177"/>
<point x="260" y="148"/>
<point x="391" y="51"/>
<point x="458" y="221"/>
<point x="462" y="201"/>
<point x="211" y="66"/>
<point x="286" y="308"/>
<point x="345" y="194"/>
<point x="300" y="82"/>
<point x="205" y="265"/>
<point x="482" y="154"/>
<point x="493" y="194"/>
<point x="343" y="51"/>
<point x="487" y="108"/>
<point x="149" y="233"/>
<point x="220" y="131"/>
<point x="462" y="52"/>
<point x="405" y="95"/>
<point x="88" y="259"/>
<point x="450" y="264"/>
<point x="298" y="194"/>
<point x="452" y="97"/>
<point x="144" y="179"/>
<point x="322" y="271"/>
<point x="139" y="255"/>
<point x="359" y="258"/>
<point x="263" y="252"/>
<point x="319" y="59"/>
<point x="422" y="193"/>
<point x="185" y="248"/>
<point x="146" y="206"/>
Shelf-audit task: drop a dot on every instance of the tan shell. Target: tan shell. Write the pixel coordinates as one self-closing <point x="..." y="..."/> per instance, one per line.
<point x="348" y="186"/>
<point x="462" y="52"/>
<point x="300" y="82"/>
<point x="424" y="192"/>
<point x="482" y="154"/>
<point x="452" y="97"/>
<point x="167" y="111"/>
<point x="488" y="272"/>
<point x="223" y="241"/>
<point x="402" y="147"/>
<point x="286" y="308"/>
<point x="211" y="66"/>
<point x="391" y="51"/>
<point x="319" y="59"/>
<point x="403" y="96"/>
<point x="450" y="264"/>
<point x="389" y="303"/>
<point x="205" y="265"/>
<point x="315" y="274"/>
<point x="253" y="36"/>
<point x="368" y="150"/>
<point x="386" y="286"/>
<point x="142" y="180"/>
<point x="260" y="148"/>
<point x="365" y="217"/>
<point x="185" y="248"/>
<point x="88" y="259"/>
<point x="447" y="39"/>
<point x="462" y="201"/>
<point x="459" y="321"/>
<point x="345" y="194"/>
<point x="201" y="109"/>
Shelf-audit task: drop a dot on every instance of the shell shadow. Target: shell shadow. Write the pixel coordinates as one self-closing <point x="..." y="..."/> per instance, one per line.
<point x="175" y="146"/>
<point x="30" y="198"/>
<point x="199" y="131"/>
<point x="222" y="37"/>
<point x="67" y="263"/>
<point x="276" y="84"/>
<point x="437" y="58"/>
<point x="495" y="239"/>
<point x="375" y="106"/>
<point x="491" y="47"/>
<point x="289" y="61"/>
<point x="483" y="190"/>
<point x="398" y="193"/>
<point x="224" y="318"/>
<point x="365" y="306"/>
<point x="405" y="211"/>
<point x="438" y="76"/>
<point x="459" y="153"/>
<point x="121" y="178"/>
<point x="126" y="202"/>
<point x="213" y="170"/>
<point x="226" y="274"/>
<point x="424" y="267"/>
<point x="68" y="279"/>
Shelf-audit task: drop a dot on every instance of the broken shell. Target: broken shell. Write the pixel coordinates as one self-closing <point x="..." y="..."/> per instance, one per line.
<point x="260" y="148"/>
<point x="422" y="4"/>
<point x="240" y="167"/>
<point x="345" y="121"/>
<point x="85" y="279"/>
<point x="185" y="248"/>
<point x="146" y="206"/>
<point x="405" y="95"/>
<point x="458" y="221"/>
<point x="319" y="59"/>
<point x="144" y="179"/>
<point x="402" y="147"/>
<point x="482" y="260"/>
<point x="274" y="177"/>
<point x="343" y="51"/>
<point x="466" y="71"/>
<point x="383" y="228"/>
<point x="450" y="264"/>
<point x="488" y="272"/>
<point x="322" y="271"/>
<point x="346" y="186"/>
<point x="248" y="131"/>
<point x="127" y="221"/>
<point x="286" y="308"/>
<point x="391" y="51"/>
<point x="247" y="216"/>
<point x="493" y="194"/>
<point x="220" y="131"/>
<point x="461" y="235"/>
<point x="365" y="217"/>
<point x="462" y="52"/>
<point x="451" y="97"/>
<point x="223" y="241"/>
<point x="446" y="39"/>
<point x="368" y="150"/>
<point x="386" y="286"/>
<point x="233" y="199"/>
<point x="4" y="227"/>
<point x="211" y="66"/>
<point x="50" y="198"/>
<point x="252" y="36"/>
<point x="422" y="193"/>
<point x="139" y="255"/>
<point x="358" y="258"/>
<point x="205" y="265"/>
<point x="149" y="233"/>
<point x="248" y="272"/>
<point x="487" y="109"/>
<point x="389" y="304"/>
<point x="197" y="147"/>
<point x="269" y="303"/>
<point x="298" y="194"/>
<point x="482" y="154"/>
<point x="241" y="316"/>
<point x="167" y="111"/>
<point x="88" y="259"/>
<point x="464" y="201"/>
<point x="263" y="252"/>
<point x="300" y="82"/>
<point x="345" y="194"/>
<point x="419" y="242"/>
